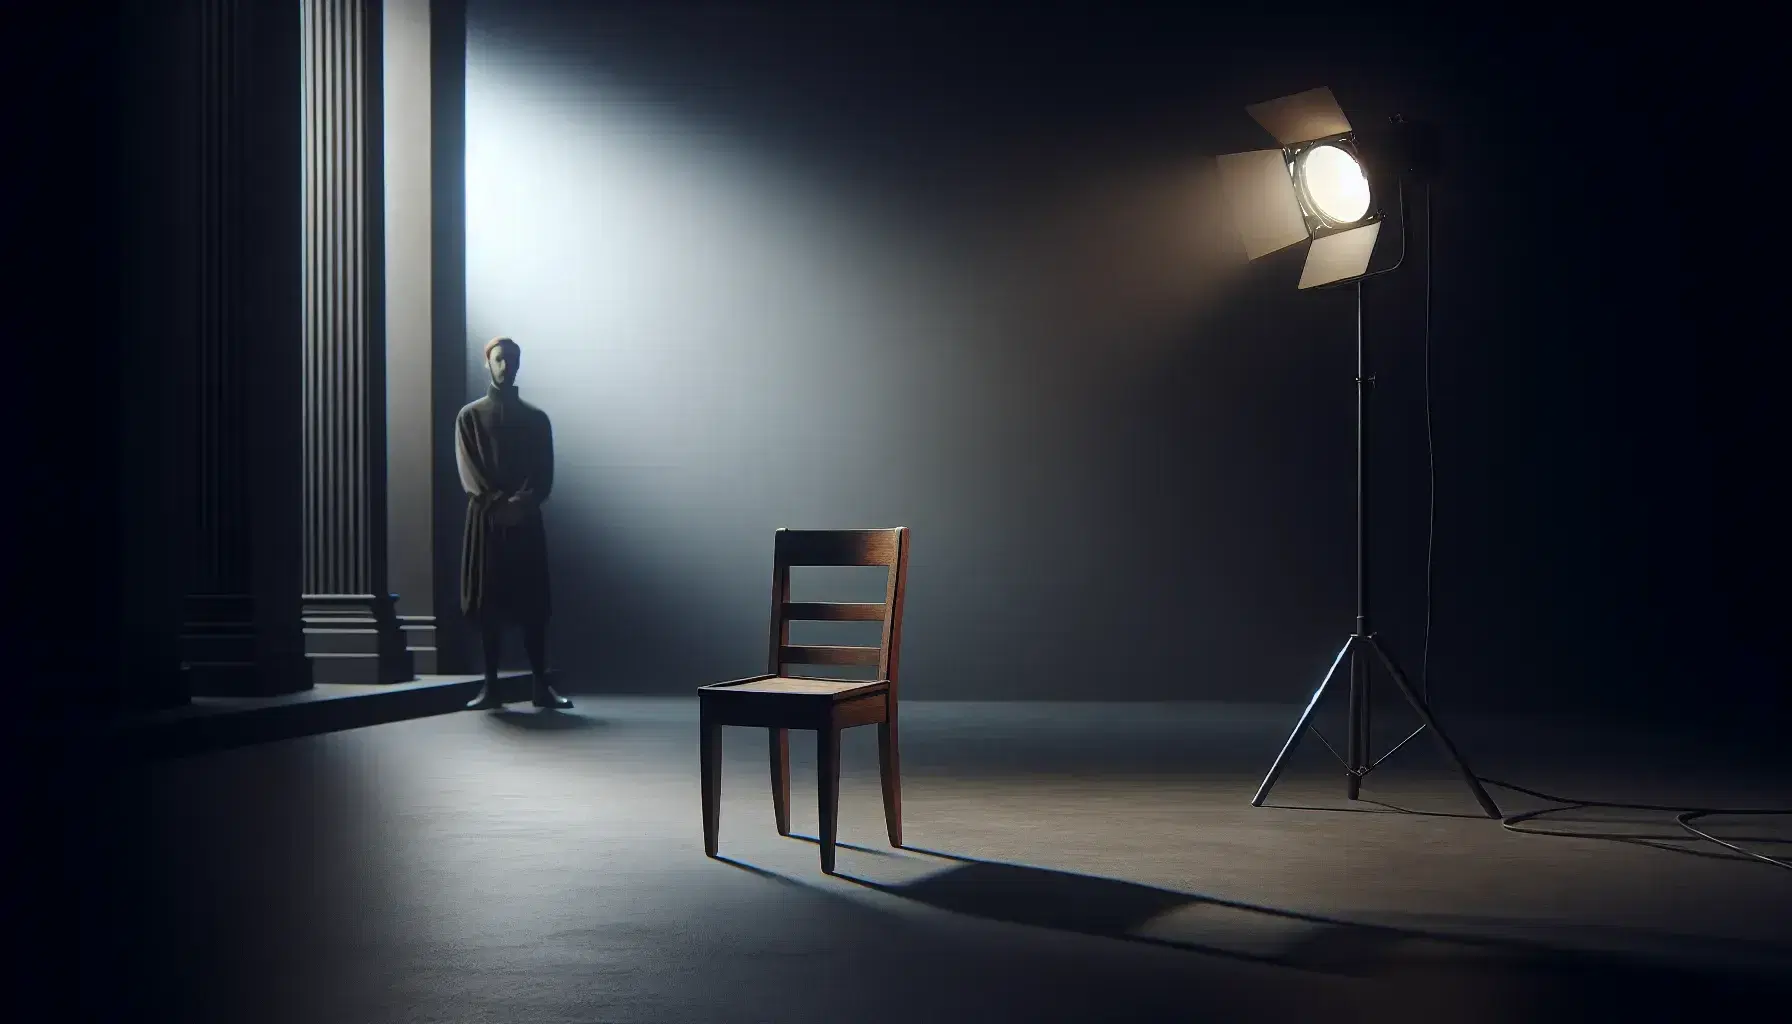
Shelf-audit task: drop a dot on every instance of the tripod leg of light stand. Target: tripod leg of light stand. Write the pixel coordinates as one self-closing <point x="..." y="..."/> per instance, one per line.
<point x="1399" y="677"/>
<point x="1275" y="770"/>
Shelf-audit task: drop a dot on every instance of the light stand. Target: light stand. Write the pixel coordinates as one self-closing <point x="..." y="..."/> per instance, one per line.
<point x="1364" y="647"/>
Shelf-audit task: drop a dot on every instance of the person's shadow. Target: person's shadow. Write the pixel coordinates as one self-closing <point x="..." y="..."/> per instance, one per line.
<point x="543" y="719"/>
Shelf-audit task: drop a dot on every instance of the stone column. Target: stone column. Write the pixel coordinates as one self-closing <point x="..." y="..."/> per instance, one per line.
<point x="448" y="192"/>
<point x="411" y="437"/>
<point x="235" y="324"/>
<point x="352" y="632"/>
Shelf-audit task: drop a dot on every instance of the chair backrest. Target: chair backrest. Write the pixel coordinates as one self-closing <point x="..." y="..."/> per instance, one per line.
<point x="888" y="548"/>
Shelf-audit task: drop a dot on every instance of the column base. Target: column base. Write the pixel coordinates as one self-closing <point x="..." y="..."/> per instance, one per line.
<point x="218" y="648"/>
<point x="420" y="639"/>
<point x="356" y="638"/>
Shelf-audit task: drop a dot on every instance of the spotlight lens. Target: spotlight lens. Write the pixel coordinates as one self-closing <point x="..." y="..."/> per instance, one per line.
<point x="1334" y="183"/>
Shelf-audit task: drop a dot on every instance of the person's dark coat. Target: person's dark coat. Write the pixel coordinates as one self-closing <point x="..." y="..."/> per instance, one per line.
<point x="504" y="447"/>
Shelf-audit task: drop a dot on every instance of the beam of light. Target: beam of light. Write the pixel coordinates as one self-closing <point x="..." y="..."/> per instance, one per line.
<point x="729" y="340"/>
<point x="725" y="345"/>
<point x="681" y="310"/>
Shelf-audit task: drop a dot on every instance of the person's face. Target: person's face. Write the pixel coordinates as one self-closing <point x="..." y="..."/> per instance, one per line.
<point x="503" y="363"/>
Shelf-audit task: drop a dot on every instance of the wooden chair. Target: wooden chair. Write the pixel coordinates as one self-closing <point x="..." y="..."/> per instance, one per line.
<point x="779" y="702"/>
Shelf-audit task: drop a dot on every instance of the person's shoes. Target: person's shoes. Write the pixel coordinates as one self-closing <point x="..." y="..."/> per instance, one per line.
<point x="487" y="699"/>
<point x="545" y="697"/>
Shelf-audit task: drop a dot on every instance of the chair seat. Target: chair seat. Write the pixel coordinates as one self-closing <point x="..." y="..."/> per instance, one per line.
<point x="806" y="687"/>
<point x="827" y="707"/>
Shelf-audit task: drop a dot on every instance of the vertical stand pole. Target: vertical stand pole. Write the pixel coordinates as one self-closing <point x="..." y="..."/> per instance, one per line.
<point x="1357" y="739"/>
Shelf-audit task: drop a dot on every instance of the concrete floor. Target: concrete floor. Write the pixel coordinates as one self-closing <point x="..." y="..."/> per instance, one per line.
<point x="1068" y="863"/>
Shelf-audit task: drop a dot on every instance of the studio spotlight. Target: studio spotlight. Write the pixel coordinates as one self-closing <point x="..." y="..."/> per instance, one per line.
<point x="1316" y="187"/>
<point x="1324" y="186"/>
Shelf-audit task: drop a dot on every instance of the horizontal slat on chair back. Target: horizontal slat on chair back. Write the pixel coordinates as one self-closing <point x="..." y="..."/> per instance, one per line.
<point x="832" y="611"/>
<point x="884" y="548"/>
<point x="813" y="654"/>
<point x="836" y="547"/>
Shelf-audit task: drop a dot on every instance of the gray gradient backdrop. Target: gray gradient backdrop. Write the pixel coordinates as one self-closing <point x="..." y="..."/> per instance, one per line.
<point x="966" y="274"/>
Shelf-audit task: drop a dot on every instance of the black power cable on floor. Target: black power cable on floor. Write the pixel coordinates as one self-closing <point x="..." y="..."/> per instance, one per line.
<point x="1683" y="816"/>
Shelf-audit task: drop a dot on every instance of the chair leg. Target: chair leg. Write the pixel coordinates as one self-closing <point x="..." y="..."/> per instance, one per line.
<point x="827" y="777"/>
<point x="780" y="751"/>
<point x="889" y="767"/>
<point x="711" y="744"/>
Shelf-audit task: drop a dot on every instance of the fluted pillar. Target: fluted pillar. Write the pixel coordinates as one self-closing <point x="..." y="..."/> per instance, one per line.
<point x="351" y="626"/>
<point x="235" y="272"/>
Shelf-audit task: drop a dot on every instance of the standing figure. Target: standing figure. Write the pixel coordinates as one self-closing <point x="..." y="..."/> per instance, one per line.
<point x="505" y="450"/>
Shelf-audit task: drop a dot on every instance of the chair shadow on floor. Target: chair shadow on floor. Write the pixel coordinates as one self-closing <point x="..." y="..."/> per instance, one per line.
<point x="1117" y="909"/>
<point x="1102" y="907"/>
